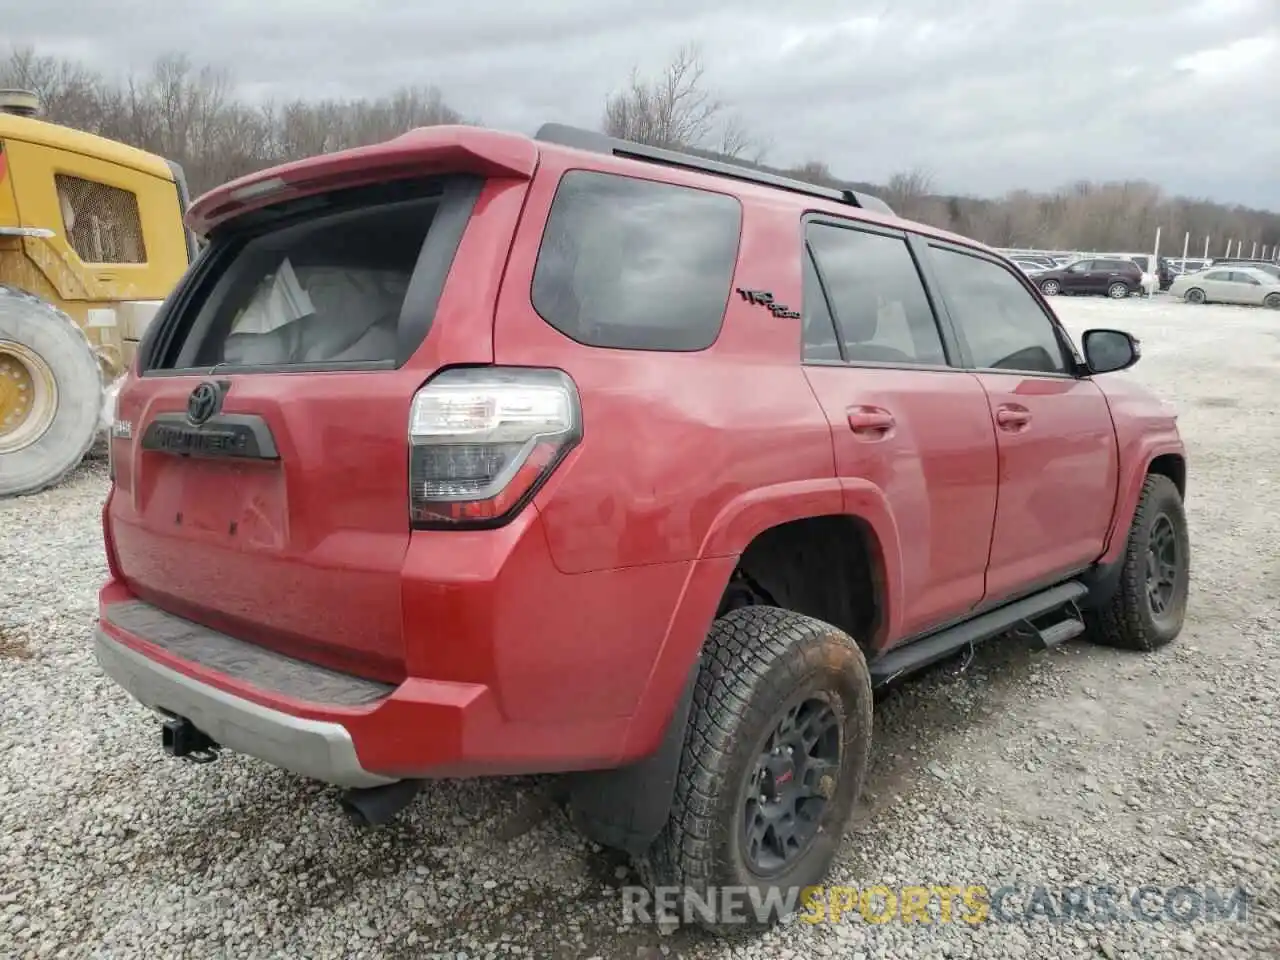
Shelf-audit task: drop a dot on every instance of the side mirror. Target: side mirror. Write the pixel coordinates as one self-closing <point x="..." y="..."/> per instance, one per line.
<point x="1106" y="351"/>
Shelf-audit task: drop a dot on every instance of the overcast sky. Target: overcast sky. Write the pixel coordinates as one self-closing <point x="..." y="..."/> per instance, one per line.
<point x="986" y="95"/>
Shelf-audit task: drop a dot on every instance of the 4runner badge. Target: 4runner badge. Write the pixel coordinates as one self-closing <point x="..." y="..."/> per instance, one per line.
<point x="763" y="298"/>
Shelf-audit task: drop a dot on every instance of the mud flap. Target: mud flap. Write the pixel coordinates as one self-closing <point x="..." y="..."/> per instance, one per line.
<point x="627" y="808"/>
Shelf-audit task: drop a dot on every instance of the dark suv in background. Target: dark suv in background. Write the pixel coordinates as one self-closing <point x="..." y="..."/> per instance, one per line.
<point x="1117" y="278"/>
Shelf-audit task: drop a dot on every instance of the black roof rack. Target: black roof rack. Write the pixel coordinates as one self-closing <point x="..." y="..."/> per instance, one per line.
<point x="595" y="142"/>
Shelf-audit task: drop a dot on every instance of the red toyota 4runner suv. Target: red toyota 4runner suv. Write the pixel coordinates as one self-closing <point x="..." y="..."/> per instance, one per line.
<point x="470" y="453"/>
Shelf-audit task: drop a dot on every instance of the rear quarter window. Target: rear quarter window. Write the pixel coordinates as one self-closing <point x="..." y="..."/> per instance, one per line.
<point x="636" y="264"/>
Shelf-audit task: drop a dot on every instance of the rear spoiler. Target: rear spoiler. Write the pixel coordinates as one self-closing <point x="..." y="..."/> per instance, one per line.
<point x="423" y="152"/>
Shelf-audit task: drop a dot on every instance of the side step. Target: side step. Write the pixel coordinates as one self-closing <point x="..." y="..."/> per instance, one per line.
<point x="1068" y="625"/>
<point x="917" y="654"/>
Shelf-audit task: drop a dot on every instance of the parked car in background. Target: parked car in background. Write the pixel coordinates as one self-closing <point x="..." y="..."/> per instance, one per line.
<point x="1247" y="285"/>
<point x="1117" y="278"/>
<point x="1030" y="267"/>
<point x="1152" y="279"/>
<point x="1161" y="268"/>
<point x="1266" y="266"/>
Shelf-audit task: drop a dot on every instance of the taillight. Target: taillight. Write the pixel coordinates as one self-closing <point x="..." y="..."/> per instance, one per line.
<point x="483" y="439"/>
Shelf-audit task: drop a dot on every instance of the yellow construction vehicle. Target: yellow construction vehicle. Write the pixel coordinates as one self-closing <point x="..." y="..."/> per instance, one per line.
<point x="91" y="242"/>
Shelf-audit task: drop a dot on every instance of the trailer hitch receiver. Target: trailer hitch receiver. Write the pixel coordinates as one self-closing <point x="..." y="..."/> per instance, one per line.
<point x="182" y="738"/>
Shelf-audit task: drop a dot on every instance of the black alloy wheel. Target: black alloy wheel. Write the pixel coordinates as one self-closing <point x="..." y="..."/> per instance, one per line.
<point x="794" y="777"/>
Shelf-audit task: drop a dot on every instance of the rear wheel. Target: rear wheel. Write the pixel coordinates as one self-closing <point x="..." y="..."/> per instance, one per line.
<point x="1272" y="300"/>
<point x="775" y="753"/>
<point x="1194" y="295"/>
<point x="1118" y="291"/>
<point x="50" y="393"/>
<point x="1150" y="604"/>
<point x="1050" y="288"/>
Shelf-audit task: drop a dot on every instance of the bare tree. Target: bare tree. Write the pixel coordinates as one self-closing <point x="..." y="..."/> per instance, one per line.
<point x="676" y="111"/>
<point x="190" y="113"/>
<point x="814" y="171"/>
<point x="66" y="89"/>
<point x="908" y="193"/>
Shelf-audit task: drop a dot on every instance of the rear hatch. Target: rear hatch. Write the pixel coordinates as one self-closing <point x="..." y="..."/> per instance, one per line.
<point x="260" y="454"/>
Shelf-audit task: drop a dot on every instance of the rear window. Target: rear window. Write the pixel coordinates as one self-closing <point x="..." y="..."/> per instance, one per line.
<point x="636" y="264"/>
<point x="349" y="278"/>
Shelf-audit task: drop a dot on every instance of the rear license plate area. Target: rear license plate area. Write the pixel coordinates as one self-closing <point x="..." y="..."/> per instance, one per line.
<point x="234" y="502"/>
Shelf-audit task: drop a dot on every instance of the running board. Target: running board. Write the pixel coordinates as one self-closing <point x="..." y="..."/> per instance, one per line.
<point x="1070" y="625"/>
<point x="918" y="654"/>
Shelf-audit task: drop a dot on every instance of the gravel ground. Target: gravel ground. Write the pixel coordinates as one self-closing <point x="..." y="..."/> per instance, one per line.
<point x="1081" y="766"/>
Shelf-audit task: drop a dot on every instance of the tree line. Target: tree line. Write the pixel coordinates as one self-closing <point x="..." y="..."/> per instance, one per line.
<point x="191" y="114"/>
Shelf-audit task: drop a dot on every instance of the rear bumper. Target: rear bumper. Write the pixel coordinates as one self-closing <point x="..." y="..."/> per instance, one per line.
<point x="510" y="666"/>
<point x="321" y="724"/>
<point x="319" y="749"/>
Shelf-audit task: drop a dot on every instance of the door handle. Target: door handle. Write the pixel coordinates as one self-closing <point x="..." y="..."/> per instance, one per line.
<point x="870" y="422"/>
<point x="1012" y="417"/>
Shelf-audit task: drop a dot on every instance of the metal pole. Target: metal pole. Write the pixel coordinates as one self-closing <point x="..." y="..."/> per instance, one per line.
<point x="1228" y="253"/>
<point x="1186" y="242"/>
<point x="1206" y="248"/>
<point x="1254" y="251"/>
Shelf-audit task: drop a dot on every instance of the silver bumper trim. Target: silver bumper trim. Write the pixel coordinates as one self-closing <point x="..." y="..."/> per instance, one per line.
<point x="310" y="748"/>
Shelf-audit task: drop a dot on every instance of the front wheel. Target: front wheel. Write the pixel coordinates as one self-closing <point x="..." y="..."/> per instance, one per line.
<point x="1272" y="300"/>
<point x="774" y="757"/>
<point x="1050" y="288"/>
<point x="1194" y="295"/>
<point x="1149" y="606"/>
<point x="1118" y="291"/>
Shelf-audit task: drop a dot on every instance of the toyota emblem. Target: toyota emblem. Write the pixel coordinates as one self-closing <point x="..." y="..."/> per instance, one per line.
<point x="203" y="403"/>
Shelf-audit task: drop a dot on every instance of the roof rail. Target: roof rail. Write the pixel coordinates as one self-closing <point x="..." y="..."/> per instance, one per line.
<point x="594" y="142"/>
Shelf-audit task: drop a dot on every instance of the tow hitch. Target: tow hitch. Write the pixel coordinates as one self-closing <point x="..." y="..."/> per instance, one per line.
<point x="184" y="739"/>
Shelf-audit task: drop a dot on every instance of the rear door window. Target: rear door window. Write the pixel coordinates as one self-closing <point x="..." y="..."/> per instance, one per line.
<point x="876" y="296"/>
<point x="636" y="264"/>
<point x="345" y="279"/>
<point x="820" y="341"/>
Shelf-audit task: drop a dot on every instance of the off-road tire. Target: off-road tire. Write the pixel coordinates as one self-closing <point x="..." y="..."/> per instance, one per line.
<point x="758" y="660"/>
<point x="62" y="345"/>
<point x="1126" y="620"/>
<point x="1194" y="295"/>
